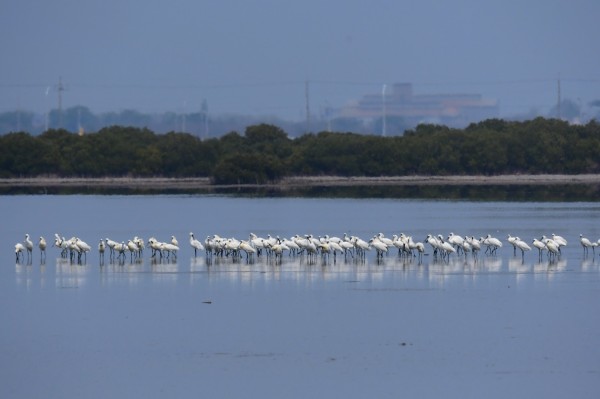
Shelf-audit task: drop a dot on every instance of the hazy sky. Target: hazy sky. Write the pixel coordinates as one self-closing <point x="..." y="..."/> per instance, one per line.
<point x="253" y="56"/>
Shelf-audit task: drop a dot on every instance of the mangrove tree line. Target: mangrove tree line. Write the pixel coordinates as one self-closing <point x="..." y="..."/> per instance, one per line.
<point x="265" y="152"/>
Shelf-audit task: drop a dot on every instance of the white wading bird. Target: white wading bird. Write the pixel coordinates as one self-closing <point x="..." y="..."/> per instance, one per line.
<point x="101" y="249"/>
<point x="42" y="246"/>
<point x="540" y="245"/>
<point x="28" y="246"/>
<point x="456" y="240"/>
<point x="561" y="242"/>
<point x="492" y="244"/>
<point x="380" y="246"/>
<point x="522" y="245"/>
<point x="552" y="246"/>
<point x="512" y="240"/>
<point x="19" y="248"/>
<point x="586" y="244"/>
<point x="197" y="245"/>
<point x="82" y="246"/>
<point x="248" y="249"/>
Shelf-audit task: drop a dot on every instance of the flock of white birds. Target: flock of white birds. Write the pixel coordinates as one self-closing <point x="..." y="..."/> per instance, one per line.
<point x="325" y="246"/>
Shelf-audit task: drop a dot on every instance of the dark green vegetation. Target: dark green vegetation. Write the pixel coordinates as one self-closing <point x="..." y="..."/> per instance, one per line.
<point x="265" y="153"/>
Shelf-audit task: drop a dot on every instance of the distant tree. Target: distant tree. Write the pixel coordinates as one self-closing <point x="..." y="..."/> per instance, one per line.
<point x="265" y="153"/>
<point x="21" y="155"/>
<point x="59" y="150"/>
<point x="180" y="154"/>
<point x="268" y="139"/>
<point x="232" y="142"/>
<point x="247" y="168"/>
<point x="148" y="161"/>
<point x="264" y="133"/>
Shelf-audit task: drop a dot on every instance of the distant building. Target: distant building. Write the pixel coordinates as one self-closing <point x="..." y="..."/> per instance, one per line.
<point x="455" y="110"/>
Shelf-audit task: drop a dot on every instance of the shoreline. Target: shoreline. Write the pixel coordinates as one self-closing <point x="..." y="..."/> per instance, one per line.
<point x="302" y="181"/>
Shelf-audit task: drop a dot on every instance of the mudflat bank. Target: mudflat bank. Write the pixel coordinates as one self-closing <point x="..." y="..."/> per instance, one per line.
<point x="303" y="181"/>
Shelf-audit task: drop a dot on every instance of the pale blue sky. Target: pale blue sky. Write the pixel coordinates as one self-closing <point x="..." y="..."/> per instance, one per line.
<point x="253" y="56"/>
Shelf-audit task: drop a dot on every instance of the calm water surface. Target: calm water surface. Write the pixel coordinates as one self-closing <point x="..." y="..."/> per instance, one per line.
<point x="497" y="326"/>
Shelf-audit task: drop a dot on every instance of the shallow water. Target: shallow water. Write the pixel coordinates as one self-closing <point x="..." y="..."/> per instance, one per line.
<point x="495" y="326"/>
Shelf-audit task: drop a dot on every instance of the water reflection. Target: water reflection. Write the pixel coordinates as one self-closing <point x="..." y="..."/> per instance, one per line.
<point x="164" y="270"/>
<point x="549" y="270"/>
<point x="587" y="264"/>
<point x="24" y="275"/>
<point x="69" y="274"/>
<point x="300" y="271"/>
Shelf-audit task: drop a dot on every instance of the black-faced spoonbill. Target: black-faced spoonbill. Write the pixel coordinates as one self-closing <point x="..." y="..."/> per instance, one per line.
<point x="522" y="245"/>
<point x="197" y="245"/>
<point x="512" y="240"/>
<point x="559" y="240"/>
<point x="552" y="246"/>
<point x="586" y="244"/>
<point x="19" y="248"/>
<point x="28" y="246"/>
<point x="456" y="240"/>
<point x="84" y="248"/>
<point x="42" y="246"/>
<point x="492" y="244"/>
<point x="540" y="245"/>
<point x="380" y="247"/>
<point x="101" y="249"/>
<point x="248" y="249"/>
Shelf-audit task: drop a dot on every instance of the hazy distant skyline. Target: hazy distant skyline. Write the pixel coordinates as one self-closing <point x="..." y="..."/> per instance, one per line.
<point x="254" y="56"/>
